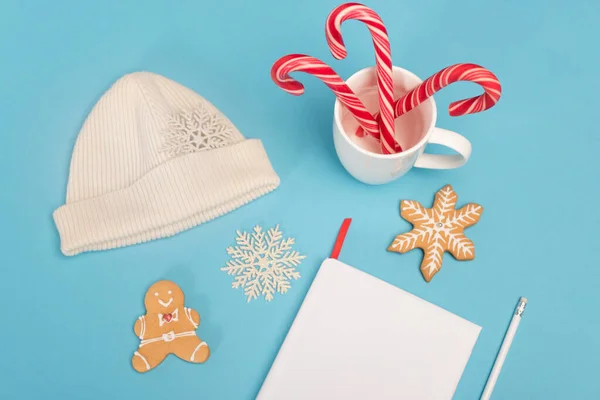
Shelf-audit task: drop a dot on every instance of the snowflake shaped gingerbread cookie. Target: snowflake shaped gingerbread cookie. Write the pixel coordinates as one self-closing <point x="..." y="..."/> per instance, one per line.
<point x="437" y="230"/>
<point x="263" y="263"/>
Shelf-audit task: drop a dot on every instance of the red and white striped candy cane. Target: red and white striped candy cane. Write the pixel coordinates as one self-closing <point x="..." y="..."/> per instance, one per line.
<point x="383" y="59"/>
<point x="300" y="62"/>
<point x="454" y="73"/>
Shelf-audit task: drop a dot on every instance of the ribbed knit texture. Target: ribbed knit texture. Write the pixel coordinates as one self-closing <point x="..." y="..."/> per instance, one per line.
<point x="153" y="159"/>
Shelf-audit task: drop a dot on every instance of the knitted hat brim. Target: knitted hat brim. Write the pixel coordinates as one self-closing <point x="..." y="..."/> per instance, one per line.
<point x="177" y="195"/>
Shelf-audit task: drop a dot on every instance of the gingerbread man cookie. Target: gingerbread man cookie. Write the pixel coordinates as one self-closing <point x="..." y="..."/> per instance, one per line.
<point x="437" y="230"/>
<point x="167" y="327"/>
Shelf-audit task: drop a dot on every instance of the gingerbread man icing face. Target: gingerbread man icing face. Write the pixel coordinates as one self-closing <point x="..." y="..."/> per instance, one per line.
<point x="162" y="297"/>
<point x="167" y="327"/>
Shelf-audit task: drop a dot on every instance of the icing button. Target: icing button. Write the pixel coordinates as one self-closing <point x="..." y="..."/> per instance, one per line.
<point x="167" y="337"/>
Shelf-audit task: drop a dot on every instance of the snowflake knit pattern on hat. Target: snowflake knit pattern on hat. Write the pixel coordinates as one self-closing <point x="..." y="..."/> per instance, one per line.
<point x="153" y="159"/>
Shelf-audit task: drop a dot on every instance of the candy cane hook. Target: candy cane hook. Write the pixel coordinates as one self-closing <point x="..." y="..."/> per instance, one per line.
<point x="383" y="59"/>
<point x="454" y="73"/>
<point x="300" y="62"/>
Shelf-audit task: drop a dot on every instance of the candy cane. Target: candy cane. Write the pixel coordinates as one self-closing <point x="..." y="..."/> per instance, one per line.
<point x="299" y="62"/>
<point x="383" y="59"/>
<point x="454" y="73"/>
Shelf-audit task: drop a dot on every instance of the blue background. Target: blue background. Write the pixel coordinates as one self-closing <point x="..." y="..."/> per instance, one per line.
<point x="66" y="325"/>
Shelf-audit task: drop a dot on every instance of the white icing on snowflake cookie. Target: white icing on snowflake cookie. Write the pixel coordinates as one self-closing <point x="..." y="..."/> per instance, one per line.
<point x="437" y="230"/>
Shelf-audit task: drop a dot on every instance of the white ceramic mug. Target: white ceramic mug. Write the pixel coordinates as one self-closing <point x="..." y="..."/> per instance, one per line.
<point x="413" y="131"/>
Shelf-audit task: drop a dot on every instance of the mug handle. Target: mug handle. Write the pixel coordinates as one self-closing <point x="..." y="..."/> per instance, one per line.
<point x="449" y="139"/>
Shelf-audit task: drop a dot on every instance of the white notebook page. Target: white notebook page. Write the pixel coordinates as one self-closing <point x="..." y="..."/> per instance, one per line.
<point x="358" y="337"/>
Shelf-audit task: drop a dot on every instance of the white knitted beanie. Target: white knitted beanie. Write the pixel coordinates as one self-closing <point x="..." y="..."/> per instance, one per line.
<point x="153" y="159"/>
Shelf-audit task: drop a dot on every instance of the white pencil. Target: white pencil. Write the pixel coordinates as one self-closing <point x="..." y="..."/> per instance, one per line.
<point x="508" y="338"/>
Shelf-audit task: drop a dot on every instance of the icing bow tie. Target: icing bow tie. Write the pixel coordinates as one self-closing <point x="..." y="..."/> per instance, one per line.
<point x="167" y="318"/>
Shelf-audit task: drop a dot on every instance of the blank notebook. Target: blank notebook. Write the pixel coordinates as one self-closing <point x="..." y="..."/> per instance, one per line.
<point x="358" y="337"/>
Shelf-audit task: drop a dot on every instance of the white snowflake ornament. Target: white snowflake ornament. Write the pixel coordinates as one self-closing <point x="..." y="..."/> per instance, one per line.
<point x="198" y="129"/>
<point x="263" y="263"/>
